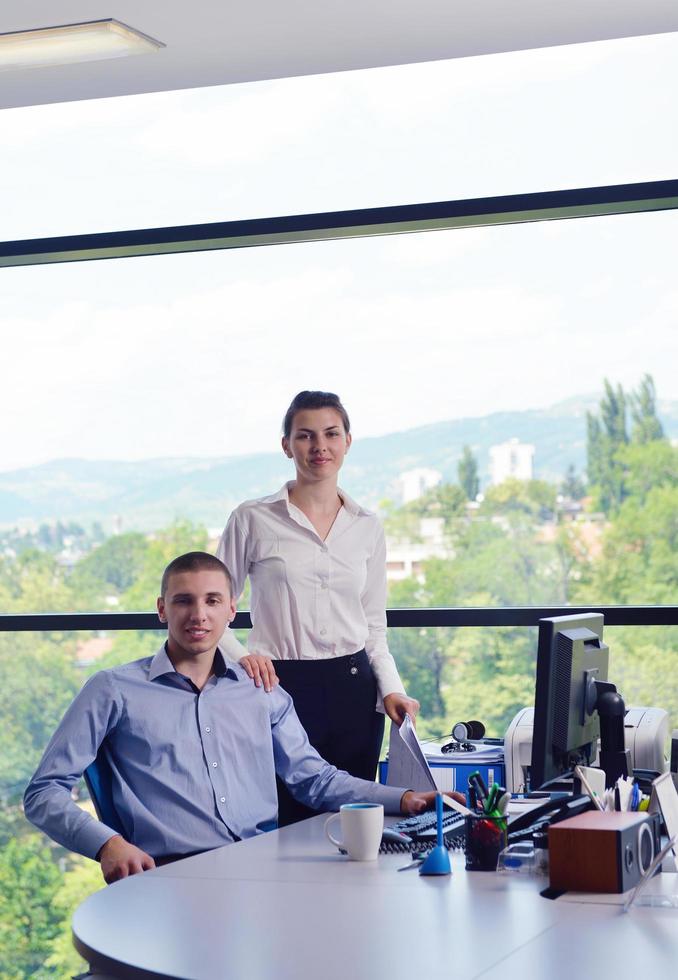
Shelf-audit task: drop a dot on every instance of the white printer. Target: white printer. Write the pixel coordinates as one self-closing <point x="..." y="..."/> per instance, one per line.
<point x="646" y="734"/>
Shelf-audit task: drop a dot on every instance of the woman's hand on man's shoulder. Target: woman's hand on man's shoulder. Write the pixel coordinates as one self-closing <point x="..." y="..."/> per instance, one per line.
<point x="260" y="668"/>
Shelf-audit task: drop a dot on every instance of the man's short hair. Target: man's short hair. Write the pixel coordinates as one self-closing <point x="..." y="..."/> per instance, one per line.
<point x="194" y="561"/>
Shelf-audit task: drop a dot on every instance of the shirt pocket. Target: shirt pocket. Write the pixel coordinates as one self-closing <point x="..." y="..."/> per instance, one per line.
<point x="265" y="549"/>
<point x="267" y="564"/>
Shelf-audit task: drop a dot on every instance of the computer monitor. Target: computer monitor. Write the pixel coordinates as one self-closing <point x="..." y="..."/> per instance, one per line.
<point x="574" y="704"/>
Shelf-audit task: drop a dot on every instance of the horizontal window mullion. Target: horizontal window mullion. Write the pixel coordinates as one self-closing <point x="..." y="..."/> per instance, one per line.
<point x="467" y="616"/>
<point x="360" y="223"/>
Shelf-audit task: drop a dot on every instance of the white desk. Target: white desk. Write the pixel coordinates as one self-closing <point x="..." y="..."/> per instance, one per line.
<point x="287" y="906"/>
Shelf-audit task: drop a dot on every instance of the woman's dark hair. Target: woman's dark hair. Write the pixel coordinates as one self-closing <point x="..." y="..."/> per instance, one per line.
<point x="314" y="399"/>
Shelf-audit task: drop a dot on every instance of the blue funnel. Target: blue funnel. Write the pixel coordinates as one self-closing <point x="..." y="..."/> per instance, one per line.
<point x="438" y="861"/>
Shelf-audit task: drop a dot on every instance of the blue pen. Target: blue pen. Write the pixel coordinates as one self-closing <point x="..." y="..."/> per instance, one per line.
<point x="635" y="797"/>
<point x="439" y="819"/>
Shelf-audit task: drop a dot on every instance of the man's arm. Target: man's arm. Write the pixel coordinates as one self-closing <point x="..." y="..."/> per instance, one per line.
<point x="74" y="745"/>
<point x="313" y="781"/>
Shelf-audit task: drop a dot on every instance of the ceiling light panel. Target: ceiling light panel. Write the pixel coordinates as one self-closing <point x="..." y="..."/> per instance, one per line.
<point x="97" y="40"/>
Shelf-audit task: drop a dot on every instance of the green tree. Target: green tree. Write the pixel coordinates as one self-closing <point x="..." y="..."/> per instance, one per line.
<point x="491" y="675"/>
<point x="29" y="922"/>
<point x="158" y="552"/>
<point x="605" y="436"/>
<point x="573" y="486"/>
<point x="643" y="402"/>
<point x="613" y="414"/>
<point x="113" y="566"/>
<point x="447" y="500"/>
<point x="467" y="471"/>
<point x="638" y="564"/>
<point x="39" y="681"/>
<point x="532" y="499"/>
<point x="35" y="582"/>
<point x="82" y="879"/>
<point x="647" y="466"/>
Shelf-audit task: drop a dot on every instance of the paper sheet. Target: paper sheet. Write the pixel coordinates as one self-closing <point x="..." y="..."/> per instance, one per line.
<point x="665" y="798"/>
<point x="482" y="754"/>
<point x="407" y="765"/>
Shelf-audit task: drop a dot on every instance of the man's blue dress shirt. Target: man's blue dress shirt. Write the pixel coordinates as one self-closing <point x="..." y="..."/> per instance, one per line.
<point x="192" y="770"/>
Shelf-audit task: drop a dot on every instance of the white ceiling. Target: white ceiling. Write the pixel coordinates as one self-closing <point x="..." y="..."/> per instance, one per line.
<point x="212" y="42"/>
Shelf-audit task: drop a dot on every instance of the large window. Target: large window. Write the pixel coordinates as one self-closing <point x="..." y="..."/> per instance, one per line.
<point x="512" y="388"/>
<point x="572" y="116"/>
<point x="151" y="391"/>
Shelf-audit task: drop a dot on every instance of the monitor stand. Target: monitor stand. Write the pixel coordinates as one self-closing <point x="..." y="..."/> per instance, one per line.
<point x="614" y="758"/>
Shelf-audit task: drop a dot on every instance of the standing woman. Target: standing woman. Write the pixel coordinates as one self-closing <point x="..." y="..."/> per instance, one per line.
<point x="317" y="567"/>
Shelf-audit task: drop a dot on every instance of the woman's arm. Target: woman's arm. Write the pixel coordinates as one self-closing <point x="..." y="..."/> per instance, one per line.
<point x="233" y="551"/>
<point x="396" y="702"/>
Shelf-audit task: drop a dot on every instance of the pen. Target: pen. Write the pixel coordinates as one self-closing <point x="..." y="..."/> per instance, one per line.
<point x="477" y="784"/>
<point x="635" y="797"/>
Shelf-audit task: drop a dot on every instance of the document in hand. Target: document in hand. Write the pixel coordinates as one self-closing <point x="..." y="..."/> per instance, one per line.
<point x="407" y="765"/>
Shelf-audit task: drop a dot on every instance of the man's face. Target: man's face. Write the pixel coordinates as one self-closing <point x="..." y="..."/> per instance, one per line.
<point x="197" y="607"/>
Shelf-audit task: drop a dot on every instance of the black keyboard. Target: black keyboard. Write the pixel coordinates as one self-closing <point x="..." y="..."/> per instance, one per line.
<point x="422" y="831"/>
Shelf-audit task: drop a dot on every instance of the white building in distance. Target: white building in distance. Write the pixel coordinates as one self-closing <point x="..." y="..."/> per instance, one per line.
<point x="405" y="559"/>
<point x="511" y="459"/>
<point x="413" y="484"/>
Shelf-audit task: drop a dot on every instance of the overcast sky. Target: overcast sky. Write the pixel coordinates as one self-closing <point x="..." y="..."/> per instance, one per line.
<point x="199" y="354"/>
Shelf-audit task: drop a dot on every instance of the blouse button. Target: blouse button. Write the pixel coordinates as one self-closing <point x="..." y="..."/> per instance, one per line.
<point x="323" y="631"/>
<point x="354" y="670"/>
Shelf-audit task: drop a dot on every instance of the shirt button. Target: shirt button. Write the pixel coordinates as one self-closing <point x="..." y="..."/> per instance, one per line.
<point x="323" y="631"/>
<point x="323" y="547"/>
<point x="215" y="764"/>
<point x="222" y="799"/>
<point x="208" y="729"/>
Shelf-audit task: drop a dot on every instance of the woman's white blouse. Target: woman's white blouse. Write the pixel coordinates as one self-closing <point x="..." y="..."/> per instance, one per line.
<point x="311" y="599"/>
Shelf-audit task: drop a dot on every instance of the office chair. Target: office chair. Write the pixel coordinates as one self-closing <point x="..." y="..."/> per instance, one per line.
<point x="99" y="782"/>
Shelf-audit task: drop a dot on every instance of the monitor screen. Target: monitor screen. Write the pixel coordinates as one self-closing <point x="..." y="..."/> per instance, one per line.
<point x="571" y="657"/>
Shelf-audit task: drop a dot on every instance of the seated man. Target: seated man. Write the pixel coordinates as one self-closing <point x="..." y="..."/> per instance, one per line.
<point x="193" y="745"/>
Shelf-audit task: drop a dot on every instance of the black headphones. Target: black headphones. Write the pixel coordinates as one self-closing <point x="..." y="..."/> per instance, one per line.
<point x="468" y="730"/>
<point x="462" y="733"/>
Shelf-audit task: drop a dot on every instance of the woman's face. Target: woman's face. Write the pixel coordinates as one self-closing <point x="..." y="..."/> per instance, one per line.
<point x="317" y="443"/>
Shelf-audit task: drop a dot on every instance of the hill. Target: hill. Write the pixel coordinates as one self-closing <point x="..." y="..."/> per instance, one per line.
<point x="151" y="493"/>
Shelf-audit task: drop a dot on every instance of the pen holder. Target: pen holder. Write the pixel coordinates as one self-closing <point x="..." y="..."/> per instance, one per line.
<point x="485" y="838"/>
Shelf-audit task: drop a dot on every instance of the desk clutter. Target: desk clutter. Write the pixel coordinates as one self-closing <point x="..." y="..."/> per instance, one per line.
<point x="572" y="838"/>
<point x="421" y="833"/>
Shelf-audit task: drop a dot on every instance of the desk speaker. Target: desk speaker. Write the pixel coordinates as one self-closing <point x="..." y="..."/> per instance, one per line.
<point x="602" y="852"/>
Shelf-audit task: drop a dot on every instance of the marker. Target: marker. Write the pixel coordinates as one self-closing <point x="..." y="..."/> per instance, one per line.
<point x="495" y="795"/>
<point x="503" y="802"/>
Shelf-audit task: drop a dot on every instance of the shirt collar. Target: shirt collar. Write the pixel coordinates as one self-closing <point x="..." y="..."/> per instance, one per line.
<point x="351" y="506"/>
<point x="161" y="664"/>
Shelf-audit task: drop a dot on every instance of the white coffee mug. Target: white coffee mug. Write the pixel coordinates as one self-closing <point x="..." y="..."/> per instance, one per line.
<point x="362" y="825"/>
